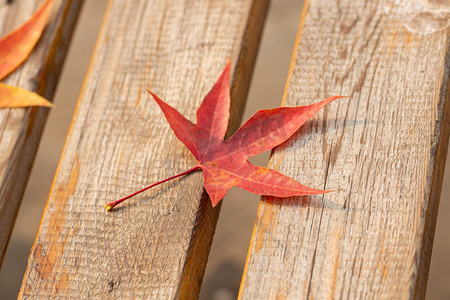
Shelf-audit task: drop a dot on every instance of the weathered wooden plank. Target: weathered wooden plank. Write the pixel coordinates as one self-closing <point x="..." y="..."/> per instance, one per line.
<point x="382" y="151"/>
<point x="21" y="128"/>
<point x="156" y="245"/>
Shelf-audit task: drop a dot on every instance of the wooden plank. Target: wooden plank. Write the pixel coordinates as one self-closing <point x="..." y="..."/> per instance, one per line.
<point x="382" y="151"/>
<point x="21" y="128"/>
<point x="156" y="245"/>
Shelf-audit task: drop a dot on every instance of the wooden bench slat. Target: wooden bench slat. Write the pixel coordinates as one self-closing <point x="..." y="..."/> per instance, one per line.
<point x="382" y="151"/>
<point x="156" y="245"/>
<point x="21" y="128"/>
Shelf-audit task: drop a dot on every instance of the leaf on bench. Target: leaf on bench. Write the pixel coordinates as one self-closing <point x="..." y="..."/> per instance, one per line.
<point x="14" y="49"/>
<point x="225" y="162"/>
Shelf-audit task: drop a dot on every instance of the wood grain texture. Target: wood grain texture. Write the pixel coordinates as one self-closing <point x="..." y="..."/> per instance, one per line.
<point x="155" y="245"/>
<point x="21" y="128"/>
<point x="382" y="151"/>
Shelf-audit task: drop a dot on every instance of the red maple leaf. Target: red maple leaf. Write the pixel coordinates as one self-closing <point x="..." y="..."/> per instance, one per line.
<point x="225" y="162"/>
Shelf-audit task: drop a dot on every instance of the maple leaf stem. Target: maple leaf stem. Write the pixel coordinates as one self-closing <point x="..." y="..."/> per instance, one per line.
<point x="111" y="205"/>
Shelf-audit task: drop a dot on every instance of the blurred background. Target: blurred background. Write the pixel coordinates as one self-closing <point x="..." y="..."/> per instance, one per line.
<point x="230" y="245"/>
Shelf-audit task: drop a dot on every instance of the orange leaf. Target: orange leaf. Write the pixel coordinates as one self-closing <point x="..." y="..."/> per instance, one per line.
<point x="12" y="96"/>
<point x="17" y="45"/>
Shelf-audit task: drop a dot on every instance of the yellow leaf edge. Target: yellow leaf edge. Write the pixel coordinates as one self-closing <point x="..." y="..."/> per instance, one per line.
<point x="12" y="96"/>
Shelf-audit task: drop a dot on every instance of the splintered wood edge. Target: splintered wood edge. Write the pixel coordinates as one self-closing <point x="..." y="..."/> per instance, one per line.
<point x="55" y="42"/>
<point x="442" y="133"/>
